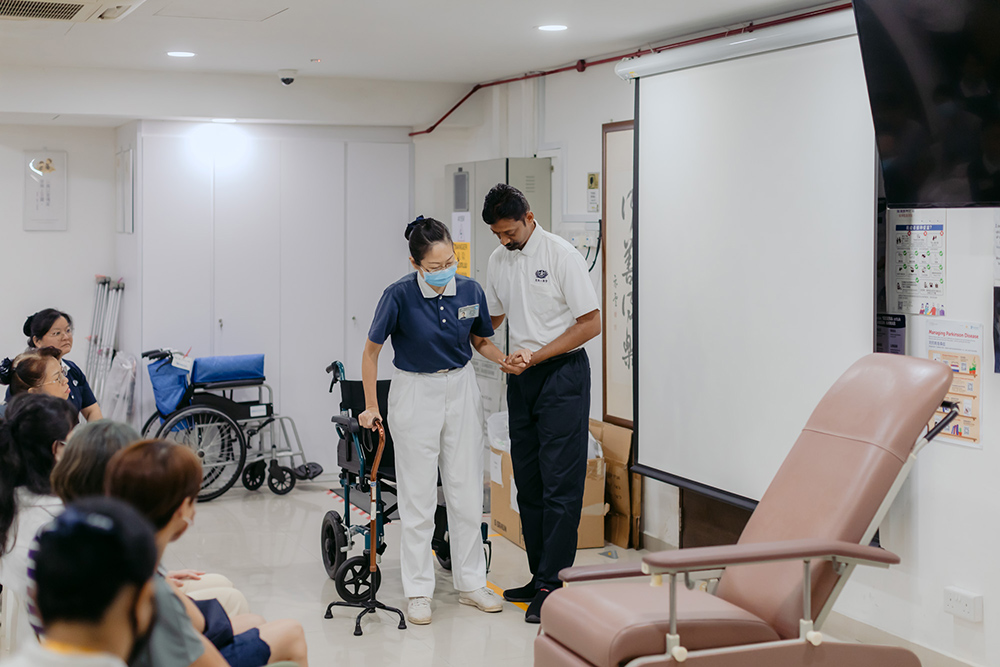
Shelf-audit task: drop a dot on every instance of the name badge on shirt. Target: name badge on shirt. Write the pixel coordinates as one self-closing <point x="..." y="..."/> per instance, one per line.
<point x="468" y="312"/>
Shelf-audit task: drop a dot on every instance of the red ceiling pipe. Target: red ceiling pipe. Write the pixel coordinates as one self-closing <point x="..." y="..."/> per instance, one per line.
<point x="582" y="65"/>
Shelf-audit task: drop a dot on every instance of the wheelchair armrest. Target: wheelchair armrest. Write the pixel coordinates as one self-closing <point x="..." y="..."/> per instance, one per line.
<point x="350" y="424"/>
<point x="714" y="558"/>
<point x="582" y="573"/>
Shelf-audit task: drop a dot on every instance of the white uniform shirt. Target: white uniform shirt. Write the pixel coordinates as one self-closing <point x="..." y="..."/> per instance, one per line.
<point x="541" y="288"/>
<point x="36" y="656"/>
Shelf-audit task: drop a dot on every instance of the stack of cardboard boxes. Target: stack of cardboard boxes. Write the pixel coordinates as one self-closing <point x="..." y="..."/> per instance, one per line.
<point x="612" y="496"/>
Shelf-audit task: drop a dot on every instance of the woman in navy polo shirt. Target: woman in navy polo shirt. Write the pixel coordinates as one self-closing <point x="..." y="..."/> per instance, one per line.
<point x="435" y="318"/>
<point x="53" y="328"/>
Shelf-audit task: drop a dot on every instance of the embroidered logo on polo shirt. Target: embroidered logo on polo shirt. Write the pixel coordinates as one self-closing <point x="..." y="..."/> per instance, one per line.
<point x="541" y="276"/>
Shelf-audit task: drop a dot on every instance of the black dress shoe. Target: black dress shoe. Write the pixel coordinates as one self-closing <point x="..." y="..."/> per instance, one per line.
<point x="524" y="593"/>
<point x="534" y="612"/>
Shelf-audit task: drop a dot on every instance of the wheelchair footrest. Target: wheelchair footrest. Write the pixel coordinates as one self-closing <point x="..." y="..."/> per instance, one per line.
<point x="307" y="471"/>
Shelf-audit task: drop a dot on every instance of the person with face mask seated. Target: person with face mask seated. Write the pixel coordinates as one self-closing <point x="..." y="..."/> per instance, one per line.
<point x="434" y="319"/>
<point x="162" y="480"/>
<point x="92" y="567"/>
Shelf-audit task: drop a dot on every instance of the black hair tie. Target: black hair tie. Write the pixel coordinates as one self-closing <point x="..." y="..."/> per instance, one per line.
<point x="410" y="226"/>
<point x="6" y="368"/>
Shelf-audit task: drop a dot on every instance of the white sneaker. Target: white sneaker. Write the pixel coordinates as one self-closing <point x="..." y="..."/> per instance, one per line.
<point x="418" y="611"/>
<point x="483" y="598"/>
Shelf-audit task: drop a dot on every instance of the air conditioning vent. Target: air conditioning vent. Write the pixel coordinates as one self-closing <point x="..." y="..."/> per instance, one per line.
<point x="36" y="9"/>
<point x="77" y="11"/>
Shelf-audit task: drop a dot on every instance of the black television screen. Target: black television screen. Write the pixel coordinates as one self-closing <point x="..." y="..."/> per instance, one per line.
<point x="933" y="73"/>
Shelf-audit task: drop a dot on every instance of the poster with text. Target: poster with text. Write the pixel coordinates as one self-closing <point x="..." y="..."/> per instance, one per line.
<point x="918" y="259"/>
<point x="959" y="345"/>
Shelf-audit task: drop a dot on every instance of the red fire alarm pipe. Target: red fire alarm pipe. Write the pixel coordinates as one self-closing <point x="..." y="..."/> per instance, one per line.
<point x="582" y="65"/>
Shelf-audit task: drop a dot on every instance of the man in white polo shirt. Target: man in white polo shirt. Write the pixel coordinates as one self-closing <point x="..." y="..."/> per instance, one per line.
<point x="539" y="282"/>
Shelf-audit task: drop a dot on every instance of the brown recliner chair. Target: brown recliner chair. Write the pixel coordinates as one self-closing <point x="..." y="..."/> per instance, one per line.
<point x="814" y="524"/>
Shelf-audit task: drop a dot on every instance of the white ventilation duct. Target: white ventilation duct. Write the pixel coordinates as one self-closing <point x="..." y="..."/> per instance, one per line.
<point x="77" y="11"/>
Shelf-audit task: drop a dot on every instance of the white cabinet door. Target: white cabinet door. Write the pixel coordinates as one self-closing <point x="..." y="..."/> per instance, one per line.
<point x="247" y="269"/>
<point x="312" y="289"/>
<point x="378" y="209"/>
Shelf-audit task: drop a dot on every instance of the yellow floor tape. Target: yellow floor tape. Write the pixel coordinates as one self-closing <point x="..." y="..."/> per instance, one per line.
<point x="499" y="591"/>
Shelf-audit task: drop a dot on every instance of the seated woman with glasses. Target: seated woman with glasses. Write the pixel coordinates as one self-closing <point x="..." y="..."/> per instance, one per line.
<point x="35" y="372"/>
<point x="54" y="328"/>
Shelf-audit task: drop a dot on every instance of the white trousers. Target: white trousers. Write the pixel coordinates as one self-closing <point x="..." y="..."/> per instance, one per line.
<point x="436" y="421"/>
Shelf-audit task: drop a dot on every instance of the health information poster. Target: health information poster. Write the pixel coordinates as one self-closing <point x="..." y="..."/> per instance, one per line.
<point x="959" y="345"/>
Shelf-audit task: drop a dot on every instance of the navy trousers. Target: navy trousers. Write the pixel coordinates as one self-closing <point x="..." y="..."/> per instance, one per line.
<point x="549" y="408"/>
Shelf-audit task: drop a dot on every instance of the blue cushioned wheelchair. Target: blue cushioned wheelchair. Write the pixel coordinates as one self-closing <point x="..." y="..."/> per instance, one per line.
<point x="233" y="438"/>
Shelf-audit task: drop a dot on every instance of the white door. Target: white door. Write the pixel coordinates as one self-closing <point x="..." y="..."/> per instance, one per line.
<point x="247" y="267"/>
<point x="378" y="209"/>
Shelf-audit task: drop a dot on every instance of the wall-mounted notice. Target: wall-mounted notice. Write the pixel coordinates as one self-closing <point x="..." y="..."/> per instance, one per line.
<point x="461" y="227"/>
<point x="890" y="333"/>
<point x="44" y="190"/>
<point x="918" y="241"/>
<point x="463" y="254"/>
<point x="960" y="346"/>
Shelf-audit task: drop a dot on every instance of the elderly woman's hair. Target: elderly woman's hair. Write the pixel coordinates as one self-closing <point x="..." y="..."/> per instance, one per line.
<point x="27" y="371"/>
<point x="80" y="471"/>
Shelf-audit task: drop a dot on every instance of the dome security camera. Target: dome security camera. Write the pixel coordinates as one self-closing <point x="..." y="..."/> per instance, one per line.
<point x="287" y="76"/>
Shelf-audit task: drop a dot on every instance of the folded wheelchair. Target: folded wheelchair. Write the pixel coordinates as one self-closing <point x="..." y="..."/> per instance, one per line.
<point x="233" y="438"/>
<point x="355" y="452"/>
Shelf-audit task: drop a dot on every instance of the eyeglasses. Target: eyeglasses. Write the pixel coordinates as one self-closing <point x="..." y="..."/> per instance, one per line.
<point x="61" y="333"/>
<point x="437" y="267"/>
<point x="63" y="378"/>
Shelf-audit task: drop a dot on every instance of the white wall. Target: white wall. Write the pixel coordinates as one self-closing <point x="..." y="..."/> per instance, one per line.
<point x="56" y="269"/>
<point x="942" y="525"/>
<point x="559" y="117"/>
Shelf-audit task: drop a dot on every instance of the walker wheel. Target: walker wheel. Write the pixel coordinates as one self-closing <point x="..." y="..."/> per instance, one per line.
<point x="333" y="543"/>
<point x="253" y="475"/>
<point x="354" y="579"/>
<point x="280" y="480"/>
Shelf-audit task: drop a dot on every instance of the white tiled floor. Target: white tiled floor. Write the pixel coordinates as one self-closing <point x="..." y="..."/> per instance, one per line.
<point x="270" y="547"/>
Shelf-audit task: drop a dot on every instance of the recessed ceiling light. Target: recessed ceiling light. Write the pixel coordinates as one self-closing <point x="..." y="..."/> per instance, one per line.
<point x="223" y="120"/>
<point x="552" y="28"/>
<point x="180" y="54"/>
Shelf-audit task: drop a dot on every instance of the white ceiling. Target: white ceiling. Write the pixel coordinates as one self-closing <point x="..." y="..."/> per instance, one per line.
<point x="463" y="41"/>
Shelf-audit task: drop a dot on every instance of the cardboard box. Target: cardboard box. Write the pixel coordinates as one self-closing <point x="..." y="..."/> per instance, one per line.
<point x="623" y="488"/>
<point x="505" y="517"/>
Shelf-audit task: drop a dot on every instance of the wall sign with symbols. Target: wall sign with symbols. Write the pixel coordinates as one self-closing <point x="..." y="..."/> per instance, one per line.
<point x="593" y="193"/>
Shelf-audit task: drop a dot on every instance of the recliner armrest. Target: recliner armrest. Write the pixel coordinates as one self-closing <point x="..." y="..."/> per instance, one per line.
<point x="581" y="573"/>
<point x="712" y="558"/>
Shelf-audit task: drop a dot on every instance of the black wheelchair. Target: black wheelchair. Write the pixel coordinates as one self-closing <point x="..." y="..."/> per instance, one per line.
<point x="355" y="450"/>
<point x="196" y="407"/>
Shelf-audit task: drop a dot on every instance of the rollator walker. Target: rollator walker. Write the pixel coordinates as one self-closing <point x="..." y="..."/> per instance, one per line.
<point x="355" y="454"/>
<point x="780" y="581"/>
<point x="233" y="438"/>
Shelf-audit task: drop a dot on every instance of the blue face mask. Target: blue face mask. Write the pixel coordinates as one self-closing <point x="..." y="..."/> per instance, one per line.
<point x="442" y="277"/>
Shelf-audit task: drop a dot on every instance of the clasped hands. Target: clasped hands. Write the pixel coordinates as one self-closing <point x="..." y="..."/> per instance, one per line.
<point x="516" y="362"/>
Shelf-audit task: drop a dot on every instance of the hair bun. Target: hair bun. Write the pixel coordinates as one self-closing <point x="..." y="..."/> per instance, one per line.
<point x="6" y="368"/>
<point x="411" y="226"/>
<point x="27" y="325"/>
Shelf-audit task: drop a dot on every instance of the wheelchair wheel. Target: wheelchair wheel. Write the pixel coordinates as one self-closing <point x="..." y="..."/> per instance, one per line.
<point x="253" y="475"/>
<point x="149" y="428"/>
<point x="333" y="543"/>
<point x="216" y="439"/>
<point x="280" y="480"/>
<point x="354" y="580"/>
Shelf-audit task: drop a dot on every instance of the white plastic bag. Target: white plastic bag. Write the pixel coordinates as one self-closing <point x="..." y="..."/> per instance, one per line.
<point x="498" y="431"/>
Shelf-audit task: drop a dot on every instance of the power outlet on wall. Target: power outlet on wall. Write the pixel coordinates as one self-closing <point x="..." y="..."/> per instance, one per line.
<point x="963" y="604"/>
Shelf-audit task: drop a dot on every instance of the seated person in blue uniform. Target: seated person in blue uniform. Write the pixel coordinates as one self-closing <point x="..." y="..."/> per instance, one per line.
<point x="34" y="372"/>
<point x="53" y="328"/>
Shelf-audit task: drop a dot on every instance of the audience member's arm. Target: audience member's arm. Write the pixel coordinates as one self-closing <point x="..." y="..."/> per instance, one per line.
<point x="197" y="618"/>
<point x="211" y="657"/>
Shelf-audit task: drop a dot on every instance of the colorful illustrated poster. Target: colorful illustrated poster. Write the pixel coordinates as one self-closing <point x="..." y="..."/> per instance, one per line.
<point x="919" y="265"/>
<point x="463" y="254"/>
<point x="959" y="345"/>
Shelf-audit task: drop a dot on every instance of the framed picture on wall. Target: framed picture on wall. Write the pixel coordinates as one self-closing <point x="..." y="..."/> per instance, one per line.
<point x="617" y="269"/>
<point x="45" y="190"/>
